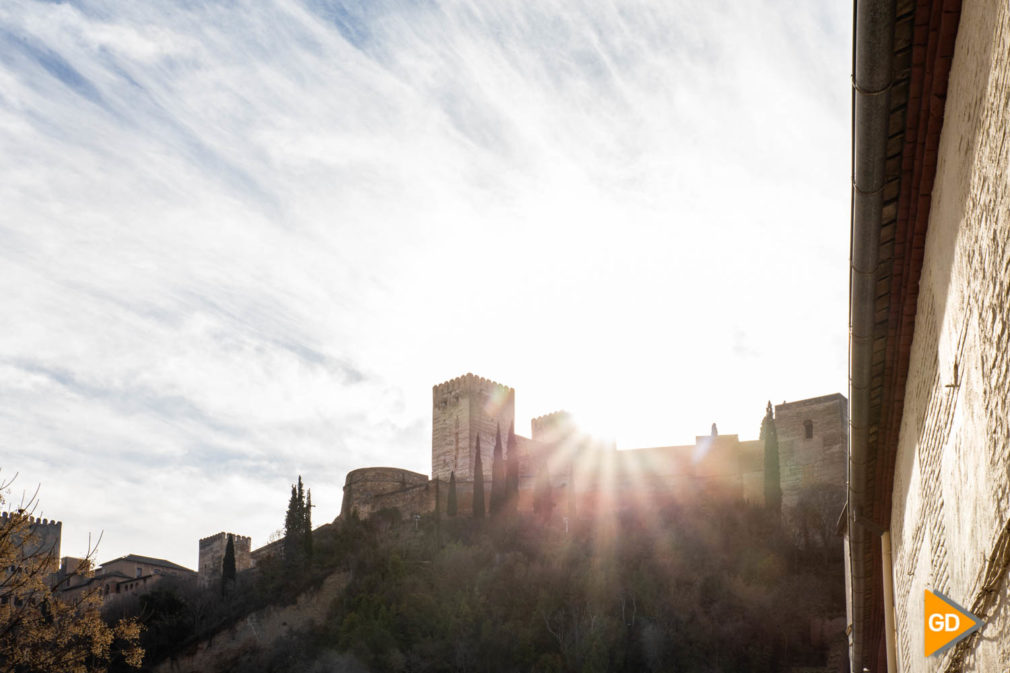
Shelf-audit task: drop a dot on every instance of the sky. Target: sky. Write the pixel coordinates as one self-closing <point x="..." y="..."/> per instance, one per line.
<point x="241" y="240"/>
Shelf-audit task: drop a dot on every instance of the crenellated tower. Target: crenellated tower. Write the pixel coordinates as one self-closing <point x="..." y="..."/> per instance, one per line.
<point x="462" y="408"/>
<point x="211" y="557"/>
<point x="553" y="427"/>
<point x="44" y="537"/>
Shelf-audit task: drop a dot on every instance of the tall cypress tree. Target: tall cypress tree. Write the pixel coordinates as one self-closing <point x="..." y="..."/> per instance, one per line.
<point x="228" y="565"/>
<point x="292" y="527"/>
<point x="497" y="476"/>
<point x="478" y="484"/>
<point x="512" y="471"/>
<point x="452" y="507"/>
<point x="298" y="525"/>
<point x="773" y="479"/>
<point x="438" y="513"/>
<point x="543" y="498"/>
<point x="301" y="501"/>
<point x="307" y="526"/>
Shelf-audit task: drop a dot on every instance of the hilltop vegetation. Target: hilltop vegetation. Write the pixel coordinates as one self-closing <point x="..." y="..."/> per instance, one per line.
<point x="714" y="587"/>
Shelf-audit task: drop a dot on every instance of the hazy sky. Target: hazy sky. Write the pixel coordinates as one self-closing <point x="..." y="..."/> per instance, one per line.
<point x="240" y="241"/>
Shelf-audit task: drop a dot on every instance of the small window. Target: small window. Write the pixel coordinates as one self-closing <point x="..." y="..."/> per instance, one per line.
<point x="808" y="429"/>
<point x="140" y="571"/>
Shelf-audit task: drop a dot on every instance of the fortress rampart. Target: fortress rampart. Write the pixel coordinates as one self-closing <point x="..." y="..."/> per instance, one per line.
<point x="371" y="489"/>
<point x="584" y="474"/>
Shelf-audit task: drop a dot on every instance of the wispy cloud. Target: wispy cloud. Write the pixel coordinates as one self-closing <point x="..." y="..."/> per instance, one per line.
<point x="241" y="242"/>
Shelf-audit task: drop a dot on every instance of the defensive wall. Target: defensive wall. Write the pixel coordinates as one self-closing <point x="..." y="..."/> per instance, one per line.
<point x="371" y="489"/>
<point x="584" y="473"/>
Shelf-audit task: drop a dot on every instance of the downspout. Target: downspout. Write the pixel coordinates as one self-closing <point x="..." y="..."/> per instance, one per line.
<point x="873" y="47"/>
<point x="888" y="577"/>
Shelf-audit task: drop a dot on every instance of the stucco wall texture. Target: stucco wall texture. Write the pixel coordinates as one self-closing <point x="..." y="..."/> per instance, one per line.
<point x="951" y="493"/>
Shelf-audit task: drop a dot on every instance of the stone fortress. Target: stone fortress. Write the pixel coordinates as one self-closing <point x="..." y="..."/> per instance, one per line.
<point x="44" y="537"/>
<point x="586" y="475"/>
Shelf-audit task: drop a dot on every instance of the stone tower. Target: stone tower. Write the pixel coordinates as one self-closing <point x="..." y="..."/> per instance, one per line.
<point x="212" y="556"/>
<point x="461" y="408"/>
<point x="813" y="440"/>
<point x="44" y="538"/>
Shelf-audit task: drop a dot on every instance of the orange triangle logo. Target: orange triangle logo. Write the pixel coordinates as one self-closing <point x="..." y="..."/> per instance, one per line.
<point x="946" y="623"/>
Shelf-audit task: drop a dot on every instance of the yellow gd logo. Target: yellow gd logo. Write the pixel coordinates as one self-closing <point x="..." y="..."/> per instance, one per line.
<point x="946" y="623"/>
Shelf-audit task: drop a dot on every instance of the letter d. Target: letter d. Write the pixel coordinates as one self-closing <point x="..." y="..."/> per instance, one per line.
<point x="955" y="625"/>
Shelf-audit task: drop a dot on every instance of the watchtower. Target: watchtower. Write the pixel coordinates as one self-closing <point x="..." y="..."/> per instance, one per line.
<point x="43" y="537"/>
<point x="461" y="409"/>
<point x="813" y="439"/>
<point x="212" y="551"/>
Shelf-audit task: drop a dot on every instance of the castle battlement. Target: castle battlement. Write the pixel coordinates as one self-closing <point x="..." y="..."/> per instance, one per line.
<point x="551" y="427"/>
<point x="211" y="556"/>
<point x="558" y="415"/>
<point x="211" y="539"/>
<point x="33" y="521"/>
<point x="463" y="409"/>
<point x="468" y="378"/>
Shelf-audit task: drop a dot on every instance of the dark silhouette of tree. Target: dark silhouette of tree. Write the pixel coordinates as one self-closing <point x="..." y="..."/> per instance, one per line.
<point x="773" y="479"/>
<point x="512" y="471"/>
<point x="497" y="476"/>
<point x="542" y="496"/>
<point x="438" y="512"/>
<point x="307" y="526"/>
<point x="689" y="588"/>
<point x="452" y="508"/>
<point x="298" y="525"/>
<point x="292" y="525"/>
<point x="478" y="484"/>
<point x="228" y="565"/>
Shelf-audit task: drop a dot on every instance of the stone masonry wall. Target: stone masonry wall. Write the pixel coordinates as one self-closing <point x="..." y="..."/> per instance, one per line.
<point x="211" y="556"/>
<point x="371" y="489"/>
<point x="951" y="493"/>
<point x="45" y="537"/>
<point x="810" y="464"/>
<point x="462" y="408"/>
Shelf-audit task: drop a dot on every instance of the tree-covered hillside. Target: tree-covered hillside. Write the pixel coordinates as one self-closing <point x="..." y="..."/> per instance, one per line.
<point x="713" y="587"/>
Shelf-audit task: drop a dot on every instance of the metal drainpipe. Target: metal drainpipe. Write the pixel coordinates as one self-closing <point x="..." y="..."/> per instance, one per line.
<point x="873" y="46"/>
<point x="888" y="572"/>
